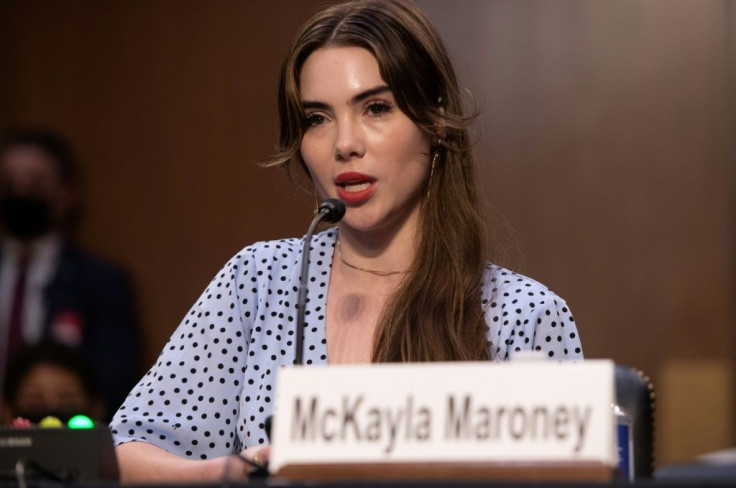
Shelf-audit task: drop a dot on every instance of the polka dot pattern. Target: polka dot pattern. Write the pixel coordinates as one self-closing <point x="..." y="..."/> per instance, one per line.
<point x="524" y="315"/>
<point x="212" y="386"/>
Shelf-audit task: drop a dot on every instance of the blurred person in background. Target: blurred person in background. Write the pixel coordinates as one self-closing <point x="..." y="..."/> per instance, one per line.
<point x="50" y="289"/>
<point x="50" y="379"/>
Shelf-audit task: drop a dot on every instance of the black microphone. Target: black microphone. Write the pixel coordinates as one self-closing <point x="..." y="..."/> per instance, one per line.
<point x="331" y="210"/>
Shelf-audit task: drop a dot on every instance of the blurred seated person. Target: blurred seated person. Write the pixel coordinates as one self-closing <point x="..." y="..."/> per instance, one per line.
<point x="50" y="379"/>
<point x="50" y="289"/>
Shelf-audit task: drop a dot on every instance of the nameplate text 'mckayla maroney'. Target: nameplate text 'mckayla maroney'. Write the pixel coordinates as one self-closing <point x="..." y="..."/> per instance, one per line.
<point x="464" y="413"/>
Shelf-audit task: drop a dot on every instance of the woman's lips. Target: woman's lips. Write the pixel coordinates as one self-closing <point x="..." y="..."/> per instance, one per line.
<point x="355" y="188"/>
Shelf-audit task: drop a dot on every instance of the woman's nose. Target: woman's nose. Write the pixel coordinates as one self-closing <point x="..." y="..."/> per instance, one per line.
<point x="349" y="141"/>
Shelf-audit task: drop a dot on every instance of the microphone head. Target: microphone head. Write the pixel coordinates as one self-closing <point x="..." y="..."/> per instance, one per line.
<point x="332" y="209"/>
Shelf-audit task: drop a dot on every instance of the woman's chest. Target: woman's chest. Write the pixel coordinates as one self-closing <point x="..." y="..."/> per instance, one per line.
<point x="353" y="314"/>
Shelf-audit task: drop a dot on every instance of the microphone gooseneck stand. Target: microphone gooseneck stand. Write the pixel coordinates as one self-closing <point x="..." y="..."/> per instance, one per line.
<point x="331" y="210"/>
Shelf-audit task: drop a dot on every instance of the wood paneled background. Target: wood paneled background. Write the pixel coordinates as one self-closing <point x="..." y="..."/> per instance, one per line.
<point x="606" y="142"/>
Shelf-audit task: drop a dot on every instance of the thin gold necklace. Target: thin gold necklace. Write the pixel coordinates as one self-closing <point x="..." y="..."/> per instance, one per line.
<point x="372" y="271"/>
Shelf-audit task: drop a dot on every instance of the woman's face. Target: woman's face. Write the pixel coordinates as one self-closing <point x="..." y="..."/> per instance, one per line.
<point x="358" y="145"/>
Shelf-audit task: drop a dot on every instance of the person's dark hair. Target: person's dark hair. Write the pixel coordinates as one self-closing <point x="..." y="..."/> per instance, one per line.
<point x="436" y="314"/>
<point x="53" y="354"/>
<point x="53" y="144"/>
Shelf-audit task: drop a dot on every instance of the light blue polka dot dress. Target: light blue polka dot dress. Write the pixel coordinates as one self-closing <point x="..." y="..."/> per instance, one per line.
<point x="212" y="387"/>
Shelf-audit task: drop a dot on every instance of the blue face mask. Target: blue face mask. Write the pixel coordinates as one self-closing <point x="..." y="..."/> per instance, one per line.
<point x="25" y="218"/>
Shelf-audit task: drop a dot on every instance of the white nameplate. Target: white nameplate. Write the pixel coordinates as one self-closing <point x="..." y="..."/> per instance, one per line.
<point x="523" y="412"/>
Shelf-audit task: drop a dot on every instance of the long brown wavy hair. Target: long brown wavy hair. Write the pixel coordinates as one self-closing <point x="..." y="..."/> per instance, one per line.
<point x="436" y="314"/>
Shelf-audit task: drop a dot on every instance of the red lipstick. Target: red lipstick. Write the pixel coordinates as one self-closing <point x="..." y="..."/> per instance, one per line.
<point x="355" y="188"/>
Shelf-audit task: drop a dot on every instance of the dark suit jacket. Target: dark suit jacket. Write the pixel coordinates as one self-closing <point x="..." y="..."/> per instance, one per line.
<point x="96" y="298"/>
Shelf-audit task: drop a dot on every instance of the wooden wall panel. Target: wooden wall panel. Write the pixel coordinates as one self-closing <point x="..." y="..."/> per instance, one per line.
<point x="606" y="140"/>
<point x="171" y="105"/>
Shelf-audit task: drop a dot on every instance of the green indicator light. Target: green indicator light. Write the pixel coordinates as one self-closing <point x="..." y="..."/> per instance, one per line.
<point x="81" y="422"/>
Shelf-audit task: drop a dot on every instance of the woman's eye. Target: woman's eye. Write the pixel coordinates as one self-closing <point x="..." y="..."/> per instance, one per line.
<point x="314" y="119"/>
<point x="378" y="108"/>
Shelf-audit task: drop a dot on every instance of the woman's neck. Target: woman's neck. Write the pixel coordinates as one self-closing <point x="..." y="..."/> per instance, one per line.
<point x="378" y="253"/>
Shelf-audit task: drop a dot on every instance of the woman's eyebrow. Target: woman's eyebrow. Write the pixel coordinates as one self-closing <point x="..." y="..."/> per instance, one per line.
<point x="307" y="104"/>
<point x="369" y="93"/>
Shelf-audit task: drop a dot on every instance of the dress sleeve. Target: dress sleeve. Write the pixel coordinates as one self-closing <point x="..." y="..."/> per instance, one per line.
<point x="524" y="315"/>
<point x="188" y="402"/>
<point x="554" y="331"/>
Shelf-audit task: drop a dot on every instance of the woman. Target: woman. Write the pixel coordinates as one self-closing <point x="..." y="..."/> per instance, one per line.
<point x="370" y="108"/>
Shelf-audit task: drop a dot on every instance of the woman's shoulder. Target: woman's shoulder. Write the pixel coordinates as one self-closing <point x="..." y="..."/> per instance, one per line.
<point x="505" y="283"/>
<point x="523" y="314"/>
